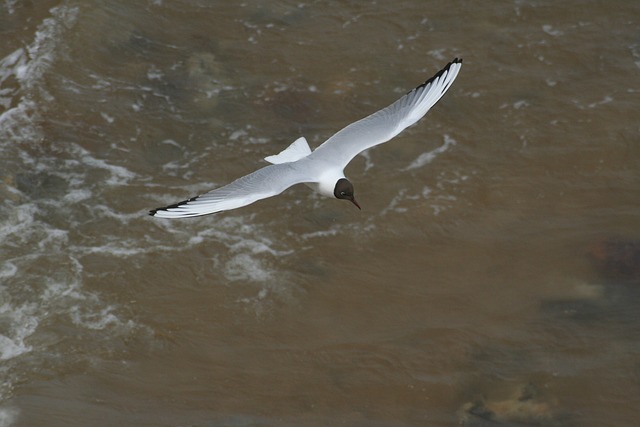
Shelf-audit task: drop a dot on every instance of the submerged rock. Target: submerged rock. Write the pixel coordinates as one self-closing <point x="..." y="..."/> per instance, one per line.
<point x="617" y="259"/>
<point x="613" y="294"/>
<point x="524" y="408"/>
<point x="205" y="78"/>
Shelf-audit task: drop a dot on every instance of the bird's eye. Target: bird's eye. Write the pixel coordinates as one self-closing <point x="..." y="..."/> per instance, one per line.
<point x="342" y="193"/>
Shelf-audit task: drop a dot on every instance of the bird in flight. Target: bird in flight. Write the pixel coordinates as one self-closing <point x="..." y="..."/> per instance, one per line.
<point x="323" y="168"/>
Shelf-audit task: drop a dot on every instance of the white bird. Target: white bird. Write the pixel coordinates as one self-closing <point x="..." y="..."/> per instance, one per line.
<point x="322" y="169"/>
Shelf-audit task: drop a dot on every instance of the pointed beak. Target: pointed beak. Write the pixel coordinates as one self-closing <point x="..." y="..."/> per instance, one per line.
<point x="353" y="200"/>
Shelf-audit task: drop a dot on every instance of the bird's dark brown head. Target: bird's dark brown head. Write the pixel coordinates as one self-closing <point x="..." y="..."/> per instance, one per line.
<point x="344" y="190"/>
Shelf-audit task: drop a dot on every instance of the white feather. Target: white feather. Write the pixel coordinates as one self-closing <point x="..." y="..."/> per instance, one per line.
<point x="297" y="150"/>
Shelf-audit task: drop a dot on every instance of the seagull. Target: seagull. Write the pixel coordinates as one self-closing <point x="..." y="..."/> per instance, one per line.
<point x="322" y="169"/>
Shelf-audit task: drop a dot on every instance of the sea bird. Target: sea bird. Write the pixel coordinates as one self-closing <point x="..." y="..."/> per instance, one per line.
<point x="323" y="168"/>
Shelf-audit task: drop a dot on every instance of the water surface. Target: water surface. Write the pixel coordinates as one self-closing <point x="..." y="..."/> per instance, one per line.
<point x="490" y="278"/>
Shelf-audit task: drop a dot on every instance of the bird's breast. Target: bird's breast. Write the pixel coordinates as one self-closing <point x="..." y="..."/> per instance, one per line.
<point x="327" y="182"/>
<point x="326" y="175"/>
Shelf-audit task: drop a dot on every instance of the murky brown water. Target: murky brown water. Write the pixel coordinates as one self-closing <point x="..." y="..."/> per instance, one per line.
<point x="492" y="282"/>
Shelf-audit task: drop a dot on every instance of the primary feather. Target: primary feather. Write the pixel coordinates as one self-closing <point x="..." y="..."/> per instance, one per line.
<point x="383" y="125"/>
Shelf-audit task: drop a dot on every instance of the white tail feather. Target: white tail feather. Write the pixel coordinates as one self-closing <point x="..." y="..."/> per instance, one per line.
<point x="297" y="150"/>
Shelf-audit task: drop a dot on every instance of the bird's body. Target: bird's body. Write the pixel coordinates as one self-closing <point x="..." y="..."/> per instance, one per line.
<point x="323" y="168"/>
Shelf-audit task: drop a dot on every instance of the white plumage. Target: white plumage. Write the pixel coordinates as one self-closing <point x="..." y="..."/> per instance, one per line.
<point x="323" y="168"/>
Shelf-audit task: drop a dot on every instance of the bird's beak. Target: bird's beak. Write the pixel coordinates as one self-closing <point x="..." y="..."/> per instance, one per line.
<point x="353" y="200"/>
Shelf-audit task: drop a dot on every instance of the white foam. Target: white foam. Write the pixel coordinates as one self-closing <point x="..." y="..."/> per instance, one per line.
<point x="394" y="205"/>
<point x="119" y="174"/>
<point x="9" y="4"/>
<point x="28" y="66"/>
<point x="170" y="142"/>
<point x="18" y="223"/>
<point x="18" y="123"/>
<point x="154" y="73"/>
<point x="12" y="347"/>
<point x="8" y="416"/>
<point x="237" y="134"/>
<point x="605" y="100"/>
<point x="440" y="198"/>
<point x="250" y="249"/>
<point x="240" y="235"/>
<point x="246" y="268"/>
<point x="41" y="274"/>
<point x="57" y="290"/>
<point x="635" y="51"/>
<point x="368" y="164"/>
<point x="320" y="233"/>
<point x="258" y="140"/>
<point x="97" y="320"/>
<point x="43" y="50"/>
<point x="172" y="166"/>
<point x="18" y="323"/>
<point x="76" y="196"/>
<point x="52" y="239"/>
<point x="520" y="104"/>
<point x="8" y="269"/>
<point x="109" y="119"/>
<point x="426" y="158"/>
<point x="12" y="64"/>
<point x="109" y="212"/>
<point x="426" y="191"/>
<point x="100" y="82"/>
<point x="121" y="249"/>
<point x="551" y="31"/>
<point x="257" y="247"/>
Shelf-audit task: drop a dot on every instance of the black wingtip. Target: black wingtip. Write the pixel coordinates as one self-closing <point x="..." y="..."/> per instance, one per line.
<point x="438" y="74"/>
<point x="153" y="212"/>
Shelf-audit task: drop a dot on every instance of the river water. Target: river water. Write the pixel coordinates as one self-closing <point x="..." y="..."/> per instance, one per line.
<point x="491" y="278"/>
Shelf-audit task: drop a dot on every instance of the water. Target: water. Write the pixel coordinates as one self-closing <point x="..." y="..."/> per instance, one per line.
<point x="490" y="278"/>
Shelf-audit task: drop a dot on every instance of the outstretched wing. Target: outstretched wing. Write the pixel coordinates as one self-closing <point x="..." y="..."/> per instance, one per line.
<point x="388" y="122"/>
<point x="266" y="182"/>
